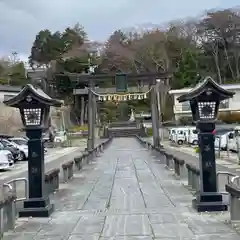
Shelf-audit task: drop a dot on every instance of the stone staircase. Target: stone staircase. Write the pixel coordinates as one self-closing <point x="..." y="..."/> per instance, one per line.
<point x="124" y="129"/>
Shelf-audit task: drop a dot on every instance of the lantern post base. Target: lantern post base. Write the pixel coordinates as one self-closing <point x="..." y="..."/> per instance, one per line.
<point x="36" y="207"/>
<point x="209" y="202"/>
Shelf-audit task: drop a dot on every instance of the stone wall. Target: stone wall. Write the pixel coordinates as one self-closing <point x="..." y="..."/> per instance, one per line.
<point x="11" y="123"/>
<point x="10" y="120"/>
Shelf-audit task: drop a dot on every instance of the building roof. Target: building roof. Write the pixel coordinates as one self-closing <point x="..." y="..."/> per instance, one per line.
<point x="186" y="90"/>
<point x="207" y="84"/>
<point x="7" y="88"/>
<point x="35" y="93"/>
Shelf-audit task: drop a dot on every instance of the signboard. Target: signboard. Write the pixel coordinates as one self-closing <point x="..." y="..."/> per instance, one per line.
<point x="121" y="82"/>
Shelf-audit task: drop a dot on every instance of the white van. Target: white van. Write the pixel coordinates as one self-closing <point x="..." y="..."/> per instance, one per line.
<point x="180" y="136"/>
<point x="171" y="131"/>
<point x="192" y="136"/>
<point x="223" y="138"/>
<point x="60" y="137"/>
<point x="233" y="137"/>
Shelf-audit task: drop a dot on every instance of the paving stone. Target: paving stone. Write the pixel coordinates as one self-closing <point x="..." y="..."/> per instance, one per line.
<point x="127" y="225"/>
<point x="89" y="225"/>
<point x="47" y="237"/>
<point x="232" y="236"/>
<point x="125" y="194"/>
<point x="52" y="229"/>
<point x="128" y="238"/>
<point x="165" y="218"/>
<point x="85" y="237"/>
<point x="169" y="230"/>
<point x="18" y="236"/>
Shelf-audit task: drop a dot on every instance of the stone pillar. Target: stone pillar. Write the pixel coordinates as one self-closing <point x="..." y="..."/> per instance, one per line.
<point x="86" y="112"/>
<point x="91" y="116"/>
<point x="38" y="203"/>
<point x="82" y="110"/>
<point x="155" y="120"/>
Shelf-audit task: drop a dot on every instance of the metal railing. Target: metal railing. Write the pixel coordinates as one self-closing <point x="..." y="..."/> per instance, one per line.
<point x="234" y="179"/>
<point x="12" y="186"/>
<point x="8" y="211"/>
<point x="226" y="178"/>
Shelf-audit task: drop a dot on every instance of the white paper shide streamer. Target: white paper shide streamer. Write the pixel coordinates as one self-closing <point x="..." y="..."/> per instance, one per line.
<point x="121" y="97"/>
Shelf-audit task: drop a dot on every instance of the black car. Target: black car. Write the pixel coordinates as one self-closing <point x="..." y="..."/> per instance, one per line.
<point x="4" y="144"/>
<point x="5" y="136"/>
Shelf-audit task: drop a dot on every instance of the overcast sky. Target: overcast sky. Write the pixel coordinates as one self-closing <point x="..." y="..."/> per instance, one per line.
<point x="20" y="20"/>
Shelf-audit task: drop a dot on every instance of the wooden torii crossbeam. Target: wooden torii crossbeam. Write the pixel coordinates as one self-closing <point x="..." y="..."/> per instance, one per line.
<point x="85" y="78"/>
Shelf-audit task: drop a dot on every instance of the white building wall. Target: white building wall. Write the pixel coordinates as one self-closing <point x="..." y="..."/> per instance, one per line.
<point x="180" y="111"/>
<point x="234" y="103"/>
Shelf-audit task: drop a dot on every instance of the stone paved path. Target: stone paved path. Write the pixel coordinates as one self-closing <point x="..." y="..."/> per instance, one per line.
<point x="126" y="194"/>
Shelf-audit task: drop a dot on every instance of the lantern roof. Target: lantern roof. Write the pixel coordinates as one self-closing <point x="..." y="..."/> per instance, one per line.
<point x="207" y="84"/>
<point x="36" y="93"/>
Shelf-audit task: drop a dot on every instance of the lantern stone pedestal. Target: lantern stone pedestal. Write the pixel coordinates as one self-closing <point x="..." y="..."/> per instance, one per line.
<point x="37" y="205"/>
<point x="209" y="202"/>
<point x="34" y="106"/>
<point x="204" y="101"/>
<point x="207" y="199"/>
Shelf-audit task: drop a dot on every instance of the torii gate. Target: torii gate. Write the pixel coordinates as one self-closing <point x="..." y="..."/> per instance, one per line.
<point x="121" y="80"/>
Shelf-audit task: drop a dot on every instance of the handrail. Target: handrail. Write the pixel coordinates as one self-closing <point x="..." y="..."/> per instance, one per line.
<point x="8" y="185"/>
<point x="234" y="178"/>
<point x="13" y="187"/>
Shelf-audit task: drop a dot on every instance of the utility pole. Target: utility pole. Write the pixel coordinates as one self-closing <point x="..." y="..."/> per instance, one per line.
<point x="14" y="57"/>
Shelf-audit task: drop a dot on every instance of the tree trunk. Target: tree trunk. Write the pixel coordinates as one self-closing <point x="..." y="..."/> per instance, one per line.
<point x="237" y="66"/>
<point x="229" y="64"/>
<point x="216" y="60"/>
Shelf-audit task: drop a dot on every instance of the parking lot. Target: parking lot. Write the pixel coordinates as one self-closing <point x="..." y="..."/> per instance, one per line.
<point x="51" y="155"/>
<point x="185" y="139"/>
<point x="54" y="158"/>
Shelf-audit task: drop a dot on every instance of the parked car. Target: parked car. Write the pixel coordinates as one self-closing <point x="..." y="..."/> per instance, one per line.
<point x="60" y="136"/>
<point x="222" y="138"/>
<point x="22" y="141"/>
<point x="6" y="145"/>
<point x="171" y="132"/>
<point x="6" y="159"/>
<point x="5" y="136"/>
<point x="180" y="135"/>
<point x="22" y="145"/>
<point x="192" y="136"/>
<point x="233" y="138"/>
<point x="19" y="149"/>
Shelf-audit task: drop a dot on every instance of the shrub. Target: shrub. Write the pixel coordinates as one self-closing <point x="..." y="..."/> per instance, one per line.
<point x="149" y="132"/>
<point x="79" y="128"/>
<point x="196" y="149"/>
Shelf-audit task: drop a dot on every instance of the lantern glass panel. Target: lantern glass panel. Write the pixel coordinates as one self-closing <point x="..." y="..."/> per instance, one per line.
<point x="32" y="116"/>
<point x="207" y="110"/>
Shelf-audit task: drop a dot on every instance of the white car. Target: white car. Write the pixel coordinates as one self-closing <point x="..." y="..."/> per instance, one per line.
<point x="22" y="145"/>
<point x="60" y="137"/>
<point x="6" y="159"/>
<point x="192" y="136"/>
<point x="222" y="138"/>
<point x="180" y="135"/>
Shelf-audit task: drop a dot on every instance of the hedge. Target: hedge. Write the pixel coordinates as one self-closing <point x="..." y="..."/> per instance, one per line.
<point x="149" y="132"/>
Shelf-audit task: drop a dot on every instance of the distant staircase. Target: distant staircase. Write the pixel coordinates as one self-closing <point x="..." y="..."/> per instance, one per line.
<point x="124" y="129"/>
